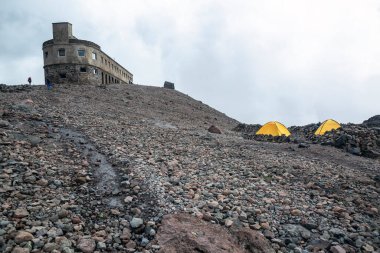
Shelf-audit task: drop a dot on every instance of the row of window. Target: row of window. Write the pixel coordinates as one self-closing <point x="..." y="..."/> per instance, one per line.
<point x="82" y="70"/>
<point x="62" y="52"/>
<point x="82" y="53"/>
<point x="114" y="67"/>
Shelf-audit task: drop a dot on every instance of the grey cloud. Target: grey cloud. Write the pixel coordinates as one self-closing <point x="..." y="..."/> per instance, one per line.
<point x="253" y="61"/>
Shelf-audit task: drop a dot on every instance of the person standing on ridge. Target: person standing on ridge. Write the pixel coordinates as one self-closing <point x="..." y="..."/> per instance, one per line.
<point x="30" y="81"/>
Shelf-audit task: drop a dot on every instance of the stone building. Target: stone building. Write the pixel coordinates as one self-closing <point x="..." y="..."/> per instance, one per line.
<point x="71" y="60"/>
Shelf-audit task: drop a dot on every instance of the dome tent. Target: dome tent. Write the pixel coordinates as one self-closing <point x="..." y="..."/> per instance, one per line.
<point x="273" y="128"/>
<point x="326" y="126"/>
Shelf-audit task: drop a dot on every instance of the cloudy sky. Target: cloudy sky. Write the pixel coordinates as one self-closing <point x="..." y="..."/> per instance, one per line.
<point x="295" y="61"/>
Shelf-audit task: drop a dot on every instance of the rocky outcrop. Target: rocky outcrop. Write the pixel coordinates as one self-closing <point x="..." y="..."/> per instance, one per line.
<point x="247" y="128"/>
<point x="373" y="121"/>
<point x="187" y="234"/>
<point x="355" y="139"/>
<point x="359" y="140"/>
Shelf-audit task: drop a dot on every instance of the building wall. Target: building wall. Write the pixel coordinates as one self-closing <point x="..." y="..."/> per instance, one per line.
<point x="94" y="66"/>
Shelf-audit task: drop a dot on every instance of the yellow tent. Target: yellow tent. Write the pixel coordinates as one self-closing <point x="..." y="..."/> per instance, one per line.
<point x="326" y="126"/>
<point x="273" y="128"/>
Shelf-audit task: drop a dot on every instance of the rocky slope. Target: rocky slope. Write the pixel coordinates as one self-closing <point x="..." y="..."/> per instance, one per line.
<point x="88" y="168"/>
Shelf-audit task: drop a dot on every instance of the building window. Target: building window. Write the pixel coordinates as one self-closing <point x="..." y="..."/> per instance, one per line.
<point x="83" y="69"/>
<point x="62" y="75"/>
<point x="94" y="56"/>
<point x="46" y="54"/>
<point x="61" y="52"/>
<point x="81" y="52"/>
<point x="95" y="71"/>
<point x="101" y="57"/>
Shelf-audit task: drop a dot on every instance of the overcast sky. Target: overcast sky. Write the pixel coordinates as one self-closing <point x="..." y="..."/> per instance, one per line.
<point x="295" y="61"/>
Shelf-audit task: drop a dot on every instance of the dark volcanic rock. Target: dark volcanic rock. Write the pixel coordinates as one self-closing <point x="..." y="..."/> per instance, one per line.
<point x="246" y="128"/>
<point x="373" y="121"/>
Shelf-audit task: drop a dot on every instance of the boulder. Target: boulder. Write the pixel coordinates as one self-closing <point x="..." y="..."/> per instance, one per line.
<point x="373" y="121"/>
<point x="86" y="245"/>
<point x="23" y="236"/>
<point x="188" y="234"/>
<point x="213" y="129"/>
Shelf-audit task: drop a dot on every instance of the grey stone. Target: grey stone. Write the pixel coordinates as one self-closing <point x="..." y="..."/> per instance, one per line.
<point x="67" y="250"/>
<point x="50" y="246"/>
<point x="144" y="241"/>
<point x="336" y="232"/>
<point x="4" y="123"/>
<point x="136" y="222"/>
<point x="101" y="245"/>
<point x="297" y="230"/>
<point x="337" y="249"/>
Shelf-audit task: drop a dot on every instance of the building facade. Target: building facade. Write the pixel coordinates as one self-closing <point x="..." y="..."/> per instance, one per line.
<point x="71" y="60"/>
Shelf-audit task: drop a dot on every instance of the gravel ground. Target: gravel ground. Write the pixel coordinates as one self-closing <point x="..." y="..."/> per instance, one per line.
<point x="88" y="168"/>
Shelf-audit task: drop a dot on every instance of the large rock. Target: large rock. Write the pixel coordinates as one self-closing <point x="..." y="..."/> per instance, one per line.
<point x="4" y="123"/>
<point x="373" y="121"/>
<point x="187" y="234"/>
<point x="18" y="249"/>
<point x="337" y="249"/>
<point x="21" y="213"/>
<point x="136" y="222"/>
<point x="86" y="245"/>
<point x="246" y="128"/>
<point x="23" y="236"/>
<point x="213" y="129"/>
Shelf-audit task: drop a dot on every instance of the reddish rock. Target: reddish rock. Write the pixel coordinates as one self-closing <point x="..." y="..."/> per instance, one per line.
<point x="213" y="129"/>
<point x="126" y="235"/>
<point x="253" y="241"/>
<point x="86" y="245"/>
<point x="23" y="236"/>
<point x="296" y="212"/>
<point x="337" y="249"/>
<point x="21" y="213"/>
<point x="75" y="220"/>
<point x="18" y="249"/>
<point x="187" y="234"/>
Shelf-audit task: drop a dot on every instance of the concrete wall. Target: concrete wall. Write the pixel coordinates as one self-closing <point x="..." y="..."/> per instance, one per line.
<point x="69" y="68"/>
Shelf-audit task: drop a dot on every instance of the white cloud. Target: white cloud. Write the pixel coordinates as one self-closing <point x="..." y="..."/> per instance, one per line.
<point x="297" y="61"/>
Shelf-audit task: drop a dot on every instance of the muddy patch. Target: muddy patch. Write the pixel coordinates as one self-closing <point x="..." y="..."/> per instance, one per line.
<point x="105" y="177"/>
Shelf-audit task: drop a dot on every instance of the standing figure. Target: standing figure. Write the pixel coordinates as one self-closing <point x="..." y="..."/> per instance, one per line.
<point x="30" y="81"/>
<point x="49" y="84"/>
